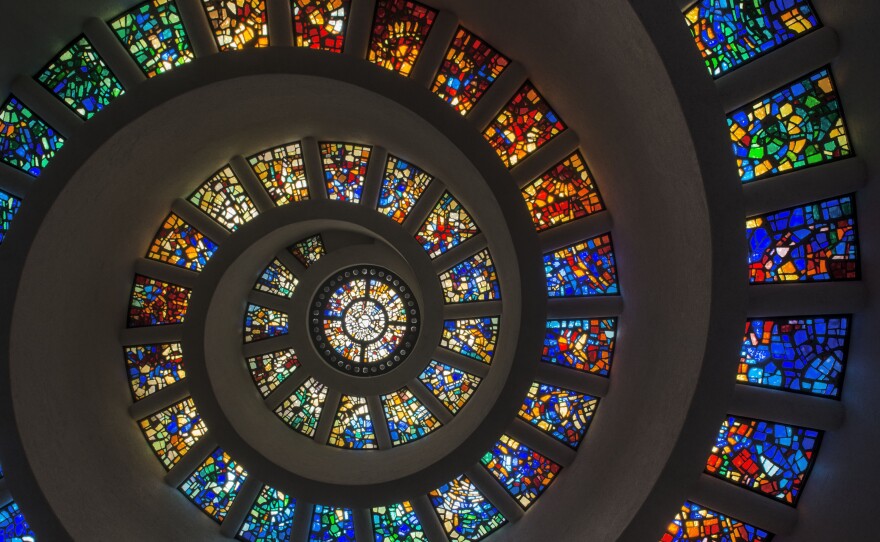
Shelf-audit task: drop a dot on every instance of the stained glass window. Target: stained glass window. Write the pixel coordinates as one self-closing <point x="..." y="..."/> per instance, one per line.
<point x="696" y="522"/>
<point x="471" y="337"/>
<point x="345" y="165"/>
<point x="523" y="472"/>
<point x="269" y="370"/>
<point x="156" y="303"/>
<point x="215" y="484"/>
<point x="407" y="417"/>
<point x="309" y="250"/>
<point x="584" y="269"/>
<point x="270" y="519"/>
<point x="282" y="172"/>
<point x="26" y="142"/>
<point x="263" y="323"/>
<point x="276" y="279"/>
<point x="399" y="33"/>
<point x="448" y="225"/>
<point x="730" y="33"/>
<point x="223" y="198"/>
<point x="453" y="387"/>
<point x="466" y="515"/>
<point x="154" y="36"/>
<point x="9" y="206"/>
<point x="238" y="24"/>
<point x="397" y="523"/>
<point x="173" y="431"/>
<point x="472" y="280"/>
<point x="331" y="525"/>
<point x="302" y="410"/>
<point x="814" y="242"/>
<point x="773" y="459"/>
<point x="801" y="125"/>
<point x="564" y="193"/>
<point x="523" y="126"/>
<point x="402" y="187"/>
<point x="320" y="24"/>
<point x="80" y="79"/>
<point x="797" y="354"/>
<point x="353" y="427"/>
<point x="178" y="243"/>
<point x="585" y="345"/>
<point x="152" y="367"/>
<point x="13" y="526"/>
<point x="470" y="67"/>
<point x="564" y="414"/>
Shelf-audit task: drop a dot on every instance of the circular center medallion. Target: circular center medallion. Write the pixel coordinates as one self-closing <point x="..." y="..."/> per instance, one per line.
<point x="365" y="320"/>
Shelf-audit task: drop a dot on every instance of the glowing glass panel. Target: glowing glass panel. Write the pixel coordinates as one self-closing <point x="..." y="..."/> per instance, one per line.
<point x="276" y="279"/>
<point x="564" y="193"/>
<point x="178" y="243"/>
<point x="523" y="472"/>
<point x="152" y="367"/>
<point x="223" y="198"/>
<point x="156" y="303"/>
<point x="320" y="24"/>
<point x="173" y="431"/>
<point x="282" y="172"/>
<point x="407" y="417"/>
<point x="397" y="523"/>
<point x="353" y="427"/>
<point x="345" y="166"/>
<point x="770" y="458"/>
<point x="399" y="33"/>
<point x="698" y="523"/>
<point x="262" y="323"/>
<point x="13" y="526"/>
<point x="472" y="280"/>
<point x="470" y="67"/>
<point x="331" y="525"/>
<point x="452" y="386"/>
<point x="466" y="515"/>
<point x="814" y="242"/>
<point x="585" y="345"/>
<point x="302" y="410"/>
<point x="402" y="187"/>
<point x="584" y="269"/>
<point x="563" y="414"/>
<point x="471" y="337"/>
<point x="26" y="141"/>
<point x="238" y="24"/>
<point x="523" y="126"/>
<point x="154" y="36"/>
<point x="448" y="225"/>
<point x="269" y="370"/>
<point x="9" y="206"/>
<point x="215" y="484"/>
<point x="309" y="250"/>
<point x="270" y="518"/>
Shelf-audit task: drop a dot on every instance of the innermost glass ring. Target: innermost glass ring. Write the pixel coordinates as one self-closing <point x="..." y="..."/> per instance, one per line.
<point x="365" y="320"/>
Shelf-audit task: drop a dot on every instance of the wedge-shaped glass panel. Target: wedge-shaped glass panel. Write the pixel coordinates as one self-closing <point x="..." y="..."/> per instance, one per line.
<point x="471" y="337"/>
<point x="469" y="68"/>
<point x="472" y="280"/>
<point x="154" y="36"/>
<point x="270" y="518"/>
<point x="269" y="370"/>
<point x="448" y="225"/>
<point x="224" y="199"/>
<point x="152" y="367"/>
<point x="585" y="345"/>
<point x="397" y="523"/>
<point x="178" y="243"/>
<point x="400" y="29"/>
<point x="331" y="524"/>
<point x="402" y="187"/>
<point x="309" y="250"/>
<point x="276" y="279"/>
<point x="584" y="269"/>
<point x="215" y="484"/>
<point x="452" y="386"/>
<point x="262" y="323"/>
<point x="407" y="417"/>
<point x="282" y="172"/>
<point x="13" y="526"/>
<point x="156" y="303"/>
<point x="320" y="24"/>
<point x="563" y="414"/>
<point x="345" y="166"/>
<point x="26" y="141"/>
<point x="9" y="206"/>
<point x="701" y="524"/>
<point x="564" y="193"/>
<point x="173" y="431"/>
<point x="523" y="472"/>
<point x="302" y="410"/>
<point x="238" y="24"/>
<point x="526" y="124"/>
<point x="466" y="515"/>
<point x="353" y="426"/>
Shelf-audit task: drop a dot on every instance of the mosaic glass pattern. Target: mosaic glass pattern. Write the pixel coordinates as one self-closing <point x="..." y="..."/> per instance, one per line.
<point x="270" y="518"/>
<point x="331" y="525"/>
<point x="302" y="410"/>
<point x="320" y="24"/>
<point x="452" y="386"/>
<point x="584" y="269"/>
<point x="276" y="279"/>
<point x="154" y="36"/>
<point x="564" y="193"/>
<point x="563" y="414"/>
<point x="262" y="323"/>
<point x="472" y="280"/>
<point x="80" y="79"/>
<point x="696" y="522"/>
<point x="805" y="355"/>
<point x="13" y="526"/>
<point x="466" y="515"/>
<point x="238" y="24"/>
<point x="448" y="225"/>
<point x="402" y="187"/>
<point x="309" y="250"/>
<point x="156" y="303"/>
<point x="353" y="427"/>
<point x="9" y="206"/>
<point x="585" y="345"/>
<point x="801" y="125"/>
<point x="397" y="523"/>
<point x="282" y="172"/>
<point x="523" y="472"/>
<point x="399" y="33"/>
<point x="407" y="417"/>
<point x="269" y="370"/>
<point x="223" y="198"/>
<point x="173" y="431"/>
<point x="26" y="141"/>
<point x="470" y="67"/>
<point x="773" y="459"/>
<point x="178" y="243"/>
<point x="814" y="242"/>
<point x="152" y="367"/>
<point x="471" y="337"/>
<point x="345" y="166"/>
<point x="730" y="33"/>
<point x="215" y="484"/>
<point x="523" y="126"/>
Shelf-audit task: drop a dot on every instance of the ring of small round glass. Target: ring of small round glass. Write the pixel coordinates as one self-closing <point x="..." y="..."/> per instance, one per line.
<point x="365" y="320"/>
